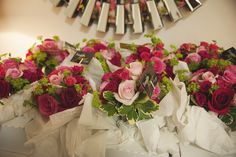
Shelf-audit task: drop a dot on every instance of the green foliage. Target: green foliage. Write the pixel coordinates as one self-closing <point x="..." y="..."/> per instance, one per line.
<point x="66" y="73"/>
<point x="109" y="108"/>
<point x="40" y="57"/>
<point x="193" y="66"/>
<point x="165" y="86"/>
<point x="155" y="40"/>
<point x="230" y="118"/>
<point x="96" y="100"/>
<point x="182" y="75"/>
<point x="179" y="55"/>
<point x="193" y="87"/>
<point x="174" y="61"/>
<point x="56" y="38"/>
<point x="51" y="90"/>
<point x="43" y="81"/>
<point x="78" y="88"/>
<point x="111" y="45"/>
<point x="133" y="47"/>
<point x="109" y="96"/>
<point x="213" y="88"/>
<point x="103" y="62"/>
<point x="38" y="90"/>
<point x="17" y="84"/>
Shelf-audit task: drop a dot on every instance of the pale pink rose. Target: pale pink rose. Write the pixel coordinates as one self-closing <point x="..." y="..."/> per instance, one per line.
<point x="14" y="73"/>
<point x="136" y="68"/>
<point x="107" y="54"/>
<point x="156" y="92"/>
<point x="193" y="57"/>
<point x="159" y="65"/>
<point x="55" y="79"/>
<point x="230" y="74"/>
<point x="197" y="74"/>
<point x="208" y="76"/>
<point x="50" y="45"/>
<point x="126" y="89"/>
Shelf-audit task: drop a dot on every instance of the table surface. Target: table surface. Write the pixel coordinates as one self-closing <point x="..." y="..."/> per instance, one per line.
<point x="22" y="21"/>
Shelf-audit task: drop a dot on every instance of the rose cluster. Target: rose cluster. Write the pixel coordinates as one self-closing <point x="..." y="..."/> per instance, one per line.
<point x="105" y="52"/>
<point x="48" y="54"/>
<point x="15" y="75"/>
<point x="62" y="89"/>
<point x="213" y="89"/>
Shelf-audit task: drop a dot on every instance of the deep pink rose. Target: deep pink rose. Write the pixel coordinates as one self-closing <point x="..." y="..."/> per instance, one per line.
<point x="14" y="73"/>
<point x="159" y="65"/>
<point x="222" y="83"/>
<point x="145" y="56"/>
<point x="204" y="44"/>
<point x="28" y="65"/>
<point x="61" y="56"/>
<point x="70" y="98"/>
<point x="116" y="59"/>
<point x="230" y="74"/>
<point x="70" y="81"/>
<point x="88" y="49"/>
<point x="200" y="98"/>
<point x="99" y="46"/>
<point x="77" y="69"/>
<point x="9" y="64"/>
<point x="111" y="86"/>
<point x="202" y="51"/>
<point x="221" y="99"/>
<point x="205" y="86"/>
<point x="142" y="49"/>
<point x="56" y="79"/>
<point x="193" y="57"/>
<point x="158" y="53"/>
<point x="80" y="79"/>
<point x="131" y="58"/>
<point x="156" y="92"/>
<point x="125" y="74"/>
<point x="214" y="47"/>
<point x="4" y="89"/>
<point x="107" y="76"/>
<point x="30" y="76"/>
<point x="48" y="105"/>
<point x="2" y="72"/>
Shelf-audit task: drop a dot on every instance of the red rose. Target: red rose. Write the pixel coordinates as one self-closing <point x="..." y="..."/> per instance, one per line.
<point x="99" y="46"/>
<point x="47" y="105"/>
<point x="80" y="79"/>
<point x="4" y="89"/>
<point x="2" y="72"/>
<point x="205" y="86"/>
<point x="131" y="58"/>
<point x="200" y="98"/>
<point x="204" y="54"/>
<point x="142" y="49"/>
<point x="169" y="72"/>
<point x="77" y="69"/>
<point x="70" y="98"/>
<point x="146" y="56"/>
<point x="213" y="47"/>
<point x="70" y="81"/>
<point x="160" y="46"/>
<point x="220" y="101"/>
<point x="124" y="75"/>
<point x="116" y="60"/>
<point x="31" y="76"/>
<point x="107" y="76"/>
<point x="112" y="86"/>
<point x="205" y="44"/>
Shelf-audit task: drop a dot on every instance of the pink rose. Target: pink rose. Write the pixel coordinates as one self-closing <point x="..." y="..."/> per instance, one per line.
<point x="126" y="89"/>
<point x="193" y="57"/>
<point x="107" y="76"/>
<point x="145" y="56"/>
<point x="61" y="56"/>
<point x="99" y="46"/>
<point x="77" y="69"/>
<point x="9" y="64"/>
<point x="131" y="58"/>
<point x="50" y="44"/>
<point x="70" y="81"/>
<point x="142" y="49"/>
<point x="103" y="85"/>
<point x="28" y="65"/>
<point x="230" y="74"/>
<point x="202" y="51"/>
<point x="159" y="65"/>
<point x="209" y="76"/>
<point x="204" y="44"/>
<point x="47" y="105"/>
<point x="156" y="93"/>
<point x="116" y="59"/>
<point x="14" y="73"/>
<point x="124" y="74"/>
<point x="136" y="68"/>
<point x="158" y="53"/>
<point x="56" y="79"/>
<point x="88" y="49"/>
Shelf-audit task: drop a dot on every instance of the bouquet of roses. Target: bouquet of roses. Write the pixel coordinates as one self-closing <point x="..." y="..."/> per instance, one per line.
<point x="105" y="52"/>
<point x="48" y="54"/>
<point x="62" y="89"/>
<point x="164" y="61"/>
<point x="132" y="92"/>
<point x="15" y="75"/>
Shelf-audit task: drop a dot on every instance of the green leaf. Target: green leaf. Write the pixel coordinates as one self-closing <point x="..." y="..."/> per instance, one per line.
<point x="56" y="38"/>
<point x="109" y="96"/>
<point x="149" y="106"/>
<point x="109" y="108"/>
<point x="143" y="115"/>
<point x="96" y="100"/>
<point x="129" y="112"/>
<point x="103" y="62"/>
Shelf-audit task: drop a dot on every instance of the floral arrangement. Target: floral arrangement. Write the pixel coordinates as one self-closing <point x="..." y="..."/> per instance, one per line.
<point x="62" y="89"/>
<point x="105" y="52"/>
<point x="48" y="54"/>
<point x="163" y="60"/>
<point x="212" y="82"/>
<point x="15" y="75"/>
<point x="127" y="92"/>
